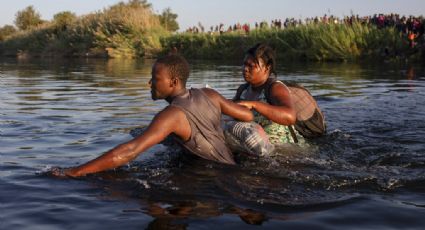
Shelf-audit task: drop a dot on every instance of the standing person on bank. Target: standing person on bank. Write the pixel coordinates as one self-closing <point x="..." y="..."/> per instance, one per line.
<point x="193" y="117"/>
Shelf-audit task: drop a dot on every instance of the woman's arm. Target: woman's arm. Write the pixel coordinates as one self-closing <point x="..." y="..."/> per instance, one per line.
<point x="280" y="111"/>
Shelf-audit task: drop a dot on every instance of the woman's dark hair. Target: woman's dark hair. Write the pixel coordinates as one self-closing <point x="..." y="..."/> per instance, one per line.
<point x="264" y="52"/>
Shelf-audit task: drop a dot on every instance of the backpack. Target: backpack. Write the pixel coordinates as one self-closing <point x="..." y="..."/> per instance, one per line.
<point x="310" y="121"/>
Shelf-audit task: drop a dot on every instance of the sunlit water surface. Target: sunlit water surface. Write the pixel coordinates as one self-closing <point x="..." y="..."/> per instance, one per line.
<point x="367" y="172"/>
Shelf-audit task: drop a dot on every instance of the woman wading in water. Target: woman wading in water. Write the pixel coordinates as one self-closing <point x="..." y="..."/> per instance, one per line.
<point x="269" y="98"/>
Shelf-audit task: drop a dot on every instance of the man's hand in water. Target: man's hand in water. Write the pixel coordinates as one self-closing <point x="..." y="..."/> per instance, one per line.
<point x="61" y="172"/>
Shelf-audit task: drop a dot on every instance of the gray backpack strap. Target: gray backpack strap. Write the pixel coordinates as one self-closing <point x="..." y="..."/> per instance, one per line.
<point x="268" y="87"/>
<point x="292" y="131"/>
<point x="239" y="91"/>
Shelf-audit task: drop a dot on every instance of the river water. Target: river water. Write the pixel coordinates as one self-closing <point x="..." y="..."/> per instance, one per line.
<point x="368" y="171"/>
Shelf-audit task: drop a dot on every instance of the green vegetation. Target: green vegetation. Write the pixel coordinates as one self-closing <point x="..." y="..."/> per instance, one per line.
<point x="168" y="20"/>
<point x="63" y="20"/>
<point x="131" y="30"/>
<point x="6" y="31"/>
<point x="320" y="42"/>
<point x="28" y="18"/>
<point x="127" y="29"/>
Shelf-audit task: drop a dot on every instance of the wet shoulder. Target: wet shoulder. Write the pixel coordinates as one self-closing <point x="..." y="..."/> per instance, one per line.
<point x="171" y="111"/>
<point x="212" y="95"/>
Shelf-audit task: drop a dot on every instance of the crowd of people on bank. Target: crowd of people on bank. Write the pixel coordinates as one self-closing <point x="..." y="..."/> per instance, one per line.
<point x="410" y="26"/>
<point x="220" y="28"/>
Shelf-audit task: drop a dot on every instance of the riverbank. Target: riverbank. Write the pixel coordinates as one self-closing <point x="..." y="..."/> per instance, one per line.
<point x="133" y="30"/>
<point x="315" y="42"/>
<point x="124" y="30"/>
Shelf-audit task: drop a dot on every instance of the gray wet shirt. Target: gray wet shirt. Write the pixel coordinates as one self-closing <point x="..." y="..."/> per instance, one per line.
<point x="207" y="136"/>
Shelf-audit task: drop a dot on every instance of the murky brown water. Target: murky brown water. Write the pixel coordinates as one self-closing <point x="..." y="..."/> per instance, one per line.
<point x="368" y="172"/>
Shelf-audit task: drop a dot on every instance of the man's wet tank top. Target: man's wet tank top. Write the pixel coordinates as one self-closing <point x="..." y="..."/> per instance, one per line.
<point x="207" y="136"/>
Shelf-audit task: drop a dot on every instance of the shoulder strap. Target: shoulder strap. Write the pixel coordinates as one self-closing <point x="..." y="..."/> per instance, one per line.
<point x="292" y="131"/>
<point x="268" y="87"/>
<point x="239" y="91"/>
<point x="293" y="84"/>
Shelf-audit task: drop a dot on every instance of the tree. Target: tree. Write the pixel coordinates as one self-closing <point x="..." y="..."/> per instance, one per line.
<point x="6" y="30"/>
<point x="27" y="18"/>
<point x="168" y="20"/>
<point x="133" y="4"/>
<point x="63" y="19"/>
<point x="137" y="3"/>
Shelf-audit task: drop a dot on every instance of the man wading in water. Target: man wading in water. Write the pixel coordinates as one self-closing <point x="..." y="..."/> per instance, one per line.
<point x="193" y="117"/>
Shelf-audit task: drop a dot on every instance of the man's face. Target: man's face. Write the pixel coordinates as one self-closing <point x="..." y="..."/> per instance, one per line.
<point x="160" y="83"/>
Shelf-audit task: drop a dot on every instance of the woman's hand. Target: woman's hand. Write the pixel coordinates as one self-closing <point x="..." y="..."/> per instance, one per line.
<point x="247" y="104"/>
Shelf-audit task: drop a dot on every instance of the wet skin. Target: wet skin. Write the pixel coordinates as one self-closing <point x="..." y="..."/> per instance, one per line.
<point x="281" y="109"/>
<point x="168" y="121"/>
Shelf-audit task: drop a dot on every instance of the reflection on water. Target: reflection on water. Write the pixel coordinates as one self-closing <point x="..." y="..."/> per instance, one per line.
<point x="65" y="112"/>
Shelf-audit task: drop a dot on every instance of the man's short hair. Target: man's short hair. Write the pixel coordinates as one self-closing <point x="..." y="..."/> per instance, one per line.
<point x="177" y="66"/>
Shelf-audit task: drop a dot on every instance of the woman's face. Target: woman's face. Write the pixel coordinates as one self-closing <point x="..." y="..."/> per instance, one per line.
<point x="254" y="73"/>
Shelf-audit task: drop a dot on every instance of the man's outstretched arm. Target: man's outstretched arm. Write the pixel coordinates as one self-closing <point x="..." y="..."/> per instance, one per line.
<point x="170" y="120"/>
